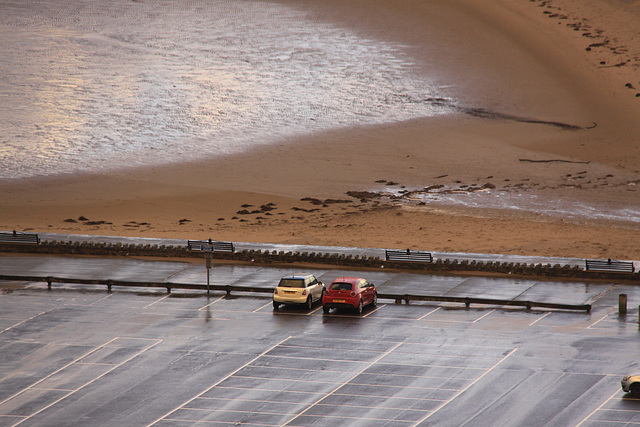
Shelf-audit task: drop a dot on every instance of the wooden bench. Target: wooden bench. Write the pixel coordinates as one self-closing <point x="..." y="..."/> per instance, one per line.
<point x="408" y="255"/>
<point x="17" y="237"/>
<point x="197" y="245"/>
<point x="608" y="265"/>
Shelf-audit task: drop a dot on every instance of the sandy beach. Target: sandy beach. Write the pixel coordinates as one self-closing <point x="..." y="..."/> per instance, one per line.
<point x="548" y="119"/>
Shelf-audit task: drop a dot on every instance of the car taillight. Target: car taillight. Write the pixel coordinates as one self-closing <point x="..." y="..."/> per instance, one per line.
<point x="354" y="293"/>
<point x="275" y="291"/>
<point x="304" y="292"/>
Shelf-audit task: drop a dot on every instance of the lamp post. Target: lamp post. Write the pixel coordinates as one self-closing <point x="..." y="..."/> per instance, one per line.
<point x="208" y="256"/>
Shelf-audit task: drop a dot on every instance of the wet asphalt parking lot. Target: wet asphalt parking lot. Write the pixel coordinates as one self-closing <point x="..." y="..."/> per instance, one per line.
<point x="79" y="355"/>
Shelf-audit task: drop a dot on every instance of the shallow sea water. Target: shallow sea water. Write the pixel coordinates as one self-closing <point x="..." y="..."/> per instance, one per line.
<point x="93" y="86"/>
<point x="523" y="201"/>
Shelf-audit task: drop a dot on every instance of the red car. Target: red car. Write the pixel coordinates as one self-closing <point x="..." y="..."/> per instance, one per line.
<point x="349" y="292"/>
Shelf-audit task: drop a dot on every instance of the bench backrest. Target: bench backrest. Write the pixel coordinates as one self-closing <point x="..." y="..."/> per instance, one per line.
<point x="609" y="265"/>
<point x="196" y="245"/>
<point x="408" y="255"/>
<point x="19" y="238"/>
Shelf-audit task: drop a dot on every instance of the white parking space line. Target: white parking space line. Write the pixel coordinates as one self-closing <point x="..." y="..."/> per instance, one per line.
<point x="193" y="421"/>
<point x="373" y="421"/>
<point x="166" y="416"/>
<point x="59" y="370"/>
<point x="375" y="309"/>
<point x="211" y="303"/>
<point x="280" y="313"/>
<point x="468" y="386"/>
<point x="483" y="316"/>
<point x="342" y="383"/>
<point x="442" y="366"/>
<point x="377" y="374"/>
<point x="431" y="312"/>
<point x="321" y="343"/>
<point x="417" y="399"/>
<point x="104" y="298"/>
<point x="321" y="359"/>
<point x="264" y="306"/>
<point x="225" y="411"/>
<point x="51" y="389"/>
<point x="450" y="321"/>
<point x="320" y="346"/>
<point x="156" y="301"/>
<point x="404" y="387"/>
<point x="253" y="377"/>
<point x="597" y="321"/>
<point x="281" y="368"/>
<point x="539" y="319"/>
<point x="258" y="389"/>
<point x="88" y="382"/>
<point x="369" y="364"/>
<point x="21" y="322"/>
<point x="235" y="399"/>
<point x="598" y="408"/>
<point x="13" y="418"/>
<point x="628" y="411"/>
<point x="314" y="311"/>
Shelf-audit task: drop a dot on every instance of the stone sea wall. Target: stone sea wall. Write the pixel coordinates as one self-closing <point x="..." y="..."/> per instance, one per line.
<point x="321" y="258"/>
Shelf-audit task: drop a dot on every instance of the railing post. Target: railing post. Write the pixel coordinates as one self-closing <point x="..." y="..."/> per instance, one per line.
<point x="49" y="283"/>
<point x="622" y="304"/>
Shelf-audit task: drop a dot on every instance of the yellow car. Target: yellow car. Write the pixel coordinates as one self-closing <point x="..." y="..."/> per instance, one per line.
<point x="298" y="289"/>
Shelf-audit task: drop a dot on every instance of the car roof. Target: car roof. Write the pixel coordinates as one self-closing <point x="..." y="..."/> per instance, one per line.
<point x="298" y="276"/>
<point x="352" y="280"/>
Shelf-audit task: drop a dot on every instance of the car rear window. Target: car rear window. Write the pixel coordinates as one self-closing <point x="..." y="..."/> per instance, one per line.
<point x="340" y="286"/>
<point x="291" y="283"/>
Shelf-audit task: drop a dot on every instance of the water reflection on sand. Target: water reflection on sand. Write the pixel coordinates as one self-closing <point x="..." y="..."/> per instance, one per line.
<point x="91" y="86"/>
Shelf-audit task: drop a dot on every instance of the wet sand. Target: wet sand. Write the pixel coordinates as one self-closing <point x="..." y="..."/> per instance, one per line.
<point x="548" y="109"/>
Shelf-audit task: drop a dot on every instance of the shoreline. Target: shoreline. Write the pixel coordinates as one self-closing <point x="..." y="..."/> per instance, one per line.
<point x="536" y="72"/>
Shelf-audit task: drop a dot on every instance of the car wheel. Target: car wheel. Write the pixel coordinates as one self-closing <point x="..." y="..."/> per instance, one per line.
<point x="635" y="389"/>
<point x="359" y="309"/>
<point x="276" y="305"/>
<point x="375" y="300"/>
<point x="309" y="302"/>
<point x="325" y="309"/>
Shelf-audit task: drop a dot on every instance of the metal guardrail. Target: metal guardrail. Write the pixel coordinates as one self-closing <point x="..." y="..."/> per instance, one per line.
<point x="484" y="301"/>
<point x="398" y="298"/>
<point x="50" y="280"/>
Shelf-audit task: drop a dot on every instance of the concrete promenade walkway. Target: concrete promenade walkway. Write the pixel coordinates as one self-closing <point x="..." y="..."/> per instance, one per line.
<point x="379" y="252"/>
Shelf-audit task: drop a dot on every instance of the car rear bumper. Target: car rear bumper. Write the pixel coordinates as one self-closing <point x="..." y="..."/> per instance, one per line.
<point x="339" y="305"/>
<point x="290" y="299"/>
<point x="345" y="303"/>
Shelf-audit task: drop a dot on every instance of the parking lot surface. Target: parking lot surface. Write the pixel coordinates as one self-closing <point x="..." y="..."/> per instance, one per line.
<point x="79" y="355"/>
